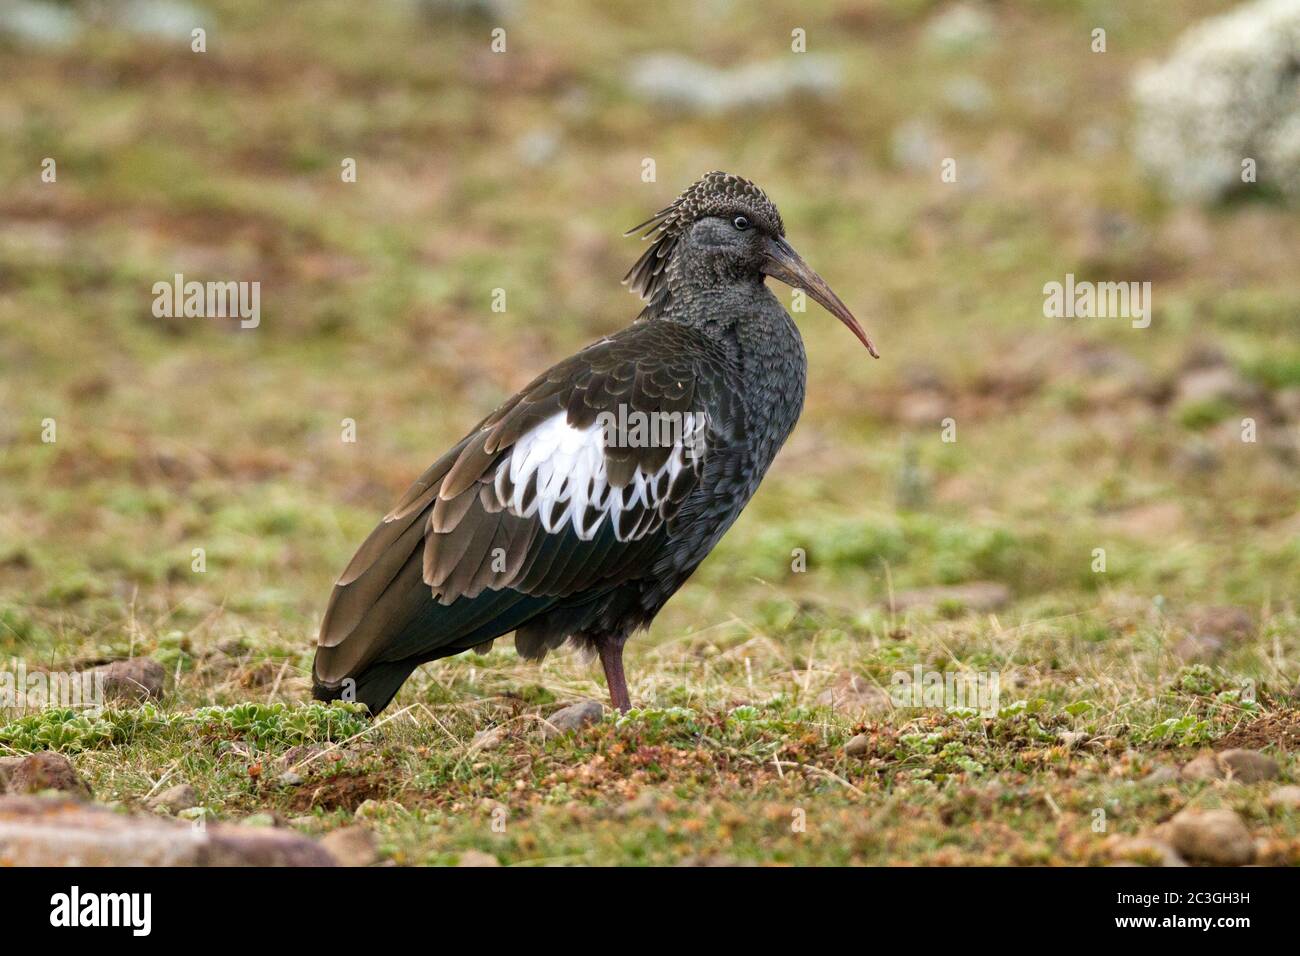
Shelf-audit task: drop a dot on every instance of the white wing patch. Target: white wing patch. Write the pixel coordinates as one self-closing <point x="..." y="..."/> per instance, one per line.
<point x="558" y="473"/>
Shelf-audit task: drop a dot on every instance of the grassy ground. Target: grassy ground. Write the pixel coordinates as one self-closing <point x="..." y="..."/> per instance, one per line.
<point x="180" y="434"/>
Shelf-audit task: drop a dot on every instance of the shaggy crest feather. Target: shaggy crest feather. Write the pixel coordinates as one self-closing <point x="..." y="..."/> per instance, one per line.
<point x="714" y="194"/>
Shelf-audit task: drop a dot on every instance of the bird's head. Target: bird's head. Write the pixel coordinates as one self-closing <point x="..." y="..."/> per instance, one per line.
<point x="729" y="223"/>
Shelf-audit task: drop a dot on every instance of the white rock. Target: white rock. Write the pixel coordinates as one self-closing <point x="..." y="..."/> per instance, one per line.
<point x="671" y="79"/>
<point x="1228" y="93"/>
<point x="1285" y="798"/>
<point x="959" y="29"/>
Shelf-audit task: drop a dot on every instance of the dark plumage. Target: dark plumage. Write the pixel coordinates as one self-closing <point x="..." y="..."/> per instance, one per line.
<point x="559" y="517"/>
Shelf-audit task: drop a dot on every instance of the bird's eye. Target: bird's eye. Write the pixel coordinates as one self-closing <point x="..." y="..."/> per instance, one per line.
<point x="741" y="223"/>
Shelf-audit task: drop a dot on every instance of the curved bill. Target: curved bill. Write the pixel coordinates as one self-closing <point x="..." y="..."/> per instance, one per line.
<point x="782" y="262"/>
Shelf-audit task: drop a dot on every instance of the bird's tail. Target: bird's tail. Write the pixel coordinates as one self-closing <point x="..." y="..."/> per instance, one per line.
<point x="375" y="686"/>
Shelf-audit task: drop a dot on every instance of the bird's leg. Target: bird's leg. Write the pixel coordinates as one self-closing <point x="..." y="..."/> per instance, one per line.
<point x="611" y="658"/>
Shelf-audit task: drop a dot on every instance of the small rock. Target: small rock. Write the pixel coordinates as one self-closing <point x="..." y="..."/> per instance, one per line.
<point x="47" y="770"/>
<point x="914" y="145"/>
<point x="1204" y="354"/>
<point x="968" y="94"/>
<point x="924" y="408"/>
<point x="488" y="739"/>
<point x="535" y="149"/>
<point x="1146" y="850"/>
<point x="958" y="30"/>
<point x="1196" y="457"/>
<point x="1218" y="384"/>
<point x="684" y="84"/>
<point x="1212" y="836"/>
<point x="854" y="696"/>
<point x="137" y="679"/>
<point x="976" y="596"/>
<point x="351" y="846"/>
<point x="477" y="858"/>
<point x="1249" y="766"/>
<point x="1198" y="647"/>
<point x="261" y="674"/>
<point x="1225" y="92"/>
<point x="1072" y="739"/>
<point x="573" y="717"/>
<point x="175" y="799"/>
<point x="858" y="746"/>
<point x="231" y="646"/>
<point x="1287" y="401"/>
<point x="56" y="831"/>
<point x="1204" y="767"/>
<point x="1223" y="621"/>
<point x="1285" y="798"/>
<point x="301" y="754"/>
<point x="261" y="846"/>
<point x="1161" y="775"/>
<point x="39" y="25"/>
<point x="7" y="766"/>
<point x="165" y="19"/>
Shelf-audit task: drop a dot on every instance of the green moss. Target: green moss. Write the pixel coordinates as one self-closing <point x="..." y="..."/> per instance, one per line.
<point x="1201" y="415"/>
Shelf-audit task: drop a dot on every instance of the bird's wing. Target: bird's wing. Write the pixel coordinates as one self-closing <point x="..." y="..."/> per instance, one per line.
<point x="554" y="494"/>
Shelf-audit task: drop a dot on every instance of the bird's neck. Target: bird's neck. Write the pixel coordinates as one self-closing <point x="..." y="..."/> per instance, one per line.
<point x="704" y="293"/>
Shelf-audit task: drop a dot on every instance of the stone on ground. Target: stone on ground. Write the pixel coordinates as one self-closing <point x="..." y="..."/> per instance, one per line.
<point x="477" y="858"/>
<point x="572" y="718"/>
<point x="1161" y="775"/>
<point x="1212" y="836"/>
<point x="137" y="679"/>
<point x="7" y="766"/>
<point x="47" y="770"/>
<point x="1227" y="93"/>
<point x="175" y="799"/>
<point x="351" y="846"/>
<point x="858" y="746"/>
<point x="488" y="739"/>
<point x="1285" y="798"/>
<point x="57" y="831"/>
<point x="1204" y="767"/>
<point x="1249" y="766"/>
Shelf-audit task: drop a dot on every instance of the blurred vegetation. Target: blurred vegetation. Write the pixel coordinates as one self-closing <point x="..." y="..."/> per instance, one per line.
<point x="519" y="171"/>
